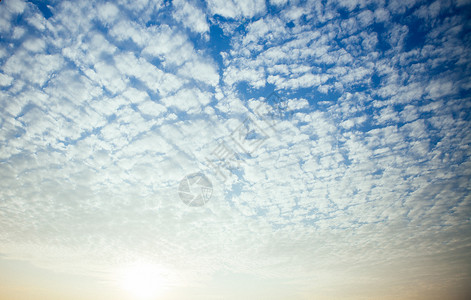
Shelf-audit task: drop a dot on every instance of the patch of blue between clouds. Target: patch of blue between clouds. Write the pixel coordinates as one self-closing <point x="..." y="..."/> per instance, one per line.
<point x="43" y="7"/>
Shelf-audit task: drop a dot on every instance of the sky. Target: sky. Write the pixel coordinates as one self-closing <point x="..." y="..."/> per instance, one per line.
<point x="235" y="149"/>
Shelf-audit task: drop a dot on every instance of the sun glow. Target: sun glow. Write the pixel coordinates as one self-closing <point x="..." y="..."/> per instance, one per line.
<point x="142" y="281"/>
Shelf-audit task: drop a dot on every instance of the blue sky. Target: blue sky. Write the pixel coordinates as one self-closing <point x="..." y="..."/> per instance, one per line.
<point x="353" y="184"/>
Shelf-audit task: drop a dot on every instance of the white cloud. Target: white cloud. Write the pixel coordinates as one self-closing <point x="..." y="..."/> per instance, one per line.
<point x="108" y="76"/>
<point x="295" y="104"/>
<point x="34" y="45"/>
<point x="11" y="9"/>
<point x="152" y="108"/>
<point x="188" y="100"/>
<point x="203" y="71"/>
<point x="278" y="2"/>
<point x="38" y="21"/>
<point x="5" y="80"/>
<point x="399" y="7"/>
<point x="18" y="32"/>
<point x="16" y="6"/>
<point x="253" y="77"/>
<point x="190" y="16"/>
<point x="365" y="18"/>
<point x="35" y="69"/>
<point x="237" y="8"/>
<point x="381" y="15"/>
<point x="108" y="12"/>
<point x="126" y="29"/>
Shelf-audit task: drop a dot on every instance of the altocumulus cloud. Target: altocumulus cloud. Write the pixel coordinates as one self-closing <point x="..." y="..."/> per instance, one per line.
<point x="105" y="107"/>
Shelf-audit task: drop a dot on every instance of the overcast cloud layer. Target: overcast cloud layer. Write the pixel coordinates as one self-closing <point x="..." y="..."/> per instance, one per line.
<point x="358" y="187"/>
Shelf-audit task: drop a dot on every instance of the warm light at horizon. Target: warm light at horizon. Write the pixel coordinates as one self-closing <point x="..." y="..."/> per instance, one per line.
<point x="142" y="280"/>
